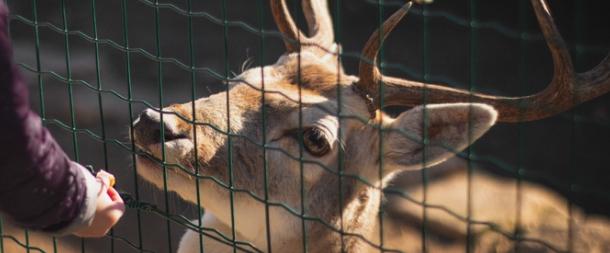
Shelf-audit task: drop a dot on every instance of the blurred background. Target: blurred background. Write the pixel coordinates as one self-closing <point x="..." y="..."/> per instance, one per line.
<point x="491" y="46"/>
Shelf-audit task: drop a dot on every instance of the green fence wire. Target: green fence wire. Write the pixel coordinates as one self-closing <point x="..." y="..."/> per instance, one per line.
<point x="141" y="207"/>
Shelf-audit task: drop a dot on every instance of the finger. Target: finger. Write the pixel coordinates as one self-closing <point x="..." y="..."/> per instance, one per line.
<point x="105" y="182"/>
<point x="108" y="178"/>
<point x="114" y="195"/>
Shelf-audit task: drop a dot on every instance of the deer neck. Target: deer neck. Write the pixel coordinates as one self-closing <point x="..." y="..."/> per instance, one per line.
<point x="355" y="214"/>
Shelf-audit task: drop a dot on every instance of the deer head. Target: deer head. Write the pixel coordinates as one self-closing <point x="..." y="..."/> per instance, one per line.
<point x="301" y="144"/>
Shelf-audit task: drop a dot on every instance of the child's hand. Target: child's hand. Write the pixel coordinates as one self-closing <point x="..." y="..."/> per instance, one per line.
<point x="110" y="208"/>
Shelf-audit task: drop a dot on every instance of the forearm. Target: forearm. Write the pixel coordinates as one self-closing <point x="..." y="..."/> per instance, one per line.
<point x="40" y="187"/>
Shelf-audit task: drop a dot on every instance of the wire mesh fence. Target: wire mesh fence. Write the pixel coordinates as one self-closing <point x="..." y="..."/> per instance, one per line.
<point x="97" y="66"/>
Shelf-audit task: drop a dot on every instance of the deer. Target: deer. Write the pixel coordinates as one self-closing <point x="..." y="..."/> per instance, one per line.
<point x="294" y="156"/>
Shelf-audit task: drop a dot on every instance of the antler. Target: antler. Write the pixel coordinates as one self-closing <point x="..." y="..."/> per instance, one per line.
<point x="318" y="20"/>
<point x="566" y="90"/>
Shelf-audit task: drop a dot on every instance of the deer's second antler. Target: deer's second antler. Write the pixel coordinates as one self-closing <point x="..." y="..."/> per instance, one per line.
<point x="566" y="90"/>
<point x="318" y="20"/>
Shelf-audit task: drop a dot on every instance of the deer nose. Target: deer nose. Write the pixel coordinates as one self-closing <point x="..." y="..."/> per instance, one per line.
<point x="148" y="128"/>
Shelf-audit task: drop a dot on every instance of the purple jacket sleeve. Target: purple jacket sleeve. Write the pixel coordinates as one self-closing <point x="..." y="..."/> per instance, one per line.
<point x="40" y="187"/>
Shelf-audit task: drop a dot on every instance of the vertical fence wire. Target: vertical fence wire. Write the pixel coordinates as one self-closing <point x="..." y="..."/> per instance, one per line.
<point x="264" y="144"/>
<point x="100" y="104"/>
<point x="425" y="125"/>
<point x="64" y="17"/>
<point x="300" y="139"/>
<point x="340" y="154"/>
<point x="27" y="240"/>
<point x="472" y="79"/>
<point x="522" y="68"/>
<point x="577" y="59"/>
<point x="380" y="132"/>
<point x="572" y="167"/>
<point x="193" y="65"/>
<point x="129" y="82"/>
<point x="520" y="138"/>
<point x="162" y="120"/>
<point x="226" y="75"/>
<point x="261" y="25"/>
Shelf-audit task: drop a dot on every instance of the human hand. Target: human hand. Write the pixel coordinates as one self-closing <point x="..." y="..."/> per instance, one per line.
<point x="110" y="208"/>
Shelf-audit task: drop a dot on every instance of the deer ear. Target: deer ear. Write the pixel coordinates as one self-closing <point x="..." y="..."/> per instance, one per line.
<point x="449" y="129"/>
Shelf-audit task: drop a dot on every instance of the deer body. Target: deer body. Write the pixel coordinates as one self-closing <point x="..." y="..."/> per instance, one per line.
<point x="300" y="150"/>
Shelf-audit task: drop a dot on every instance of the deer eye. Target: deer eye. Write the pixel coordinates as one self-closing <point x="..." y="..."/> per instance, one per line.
<point x="315" y="142"/>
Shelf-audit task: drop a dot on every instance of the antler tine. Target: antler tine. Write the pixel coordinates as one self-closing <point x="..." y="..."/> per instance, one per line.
<point x="318" y="20"/>
<point x="562" y="62"/>
<point x="285" y="23"/>
<point x="566" y="90"/>
<point x="368" y="72"/>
